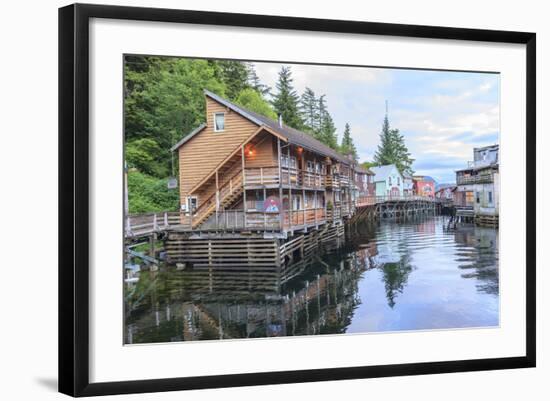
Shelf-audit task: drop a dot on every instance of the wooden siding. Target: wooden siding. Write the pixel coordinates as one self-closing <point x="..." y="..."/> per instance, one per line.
<point x="264" y="154"/>
<point x="200" y="155"/>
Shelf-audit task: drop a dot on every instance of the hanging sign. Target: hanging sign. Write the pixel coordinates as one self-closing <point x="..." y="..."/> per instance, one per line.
<point x="172" y="183"/>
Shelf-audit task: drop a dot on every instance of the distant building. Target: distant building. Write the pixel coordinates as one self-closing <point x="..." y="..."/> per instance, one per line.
<point x="388" y="181"/>
<point x="445" y="192"/>
<point x="478" y="184"/>
<point x="364" y="184"/>
<point x="408" y="185"/>
<point x="423" y="186"/>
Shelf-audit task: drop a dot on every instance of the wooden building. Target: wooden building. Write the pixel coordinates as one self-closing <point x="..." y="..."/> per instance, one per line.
<point x="423" y="186"/>
<point x="479" y="183"/>
<point x="408" y="184"/>
<point x="445" y="192"/>
<point x="241" y="171"/>
<point x="364" y="181"/>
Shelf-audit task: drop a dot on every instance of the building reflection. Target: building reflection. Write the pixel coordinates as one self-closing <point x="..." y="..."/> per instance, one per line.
<point x="316" y="295"/>
<point x="482" y="247"/>
<point x="313" y="296"/>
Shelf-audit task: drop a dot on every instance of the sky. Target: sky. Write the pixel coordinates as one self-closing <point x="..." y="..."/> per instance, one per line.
<point x="442" y="115"/>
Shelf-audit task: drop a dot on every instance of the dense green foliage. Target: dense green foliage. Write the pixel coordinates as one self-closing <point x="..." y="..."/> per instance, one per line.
<point x="150" y="194"/>
<point x="347" y="146"/>
<point x="253" y="100"/>
<point x="392" y="149"/>
<point x="367" y="164"/>
<point x="164" y="101"/>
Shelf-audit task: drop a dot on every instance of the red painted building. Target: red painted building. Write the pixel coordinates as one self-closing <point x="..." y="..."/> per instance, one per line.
<point x="424" y="186"/>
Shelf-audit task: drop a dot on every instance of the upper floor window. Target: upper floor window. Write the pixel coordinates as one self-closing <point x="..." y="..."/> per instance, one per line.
<point x="293" y="162"/>
<point x="389" y="180"/>
<point x="219" y="121"/>
<point x="284" y="161"/>
<point x="398" y="181"/>
<point x="310" y="166"/>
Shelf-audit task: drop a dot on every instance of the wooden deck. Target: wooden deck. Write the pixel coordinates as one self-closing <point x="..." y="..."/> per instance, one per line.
<point x="142" y="225"/>
<point x="269" y="177"/>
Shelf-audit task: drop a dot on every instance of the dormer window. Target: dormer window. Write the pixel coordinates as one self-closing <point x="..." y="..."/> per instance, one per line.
<point x="219" y="122"/>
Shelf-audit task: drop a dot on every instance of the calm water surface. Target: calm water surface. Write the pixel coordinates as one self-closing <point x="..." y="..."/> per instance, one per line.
<point x="389" y="276"/>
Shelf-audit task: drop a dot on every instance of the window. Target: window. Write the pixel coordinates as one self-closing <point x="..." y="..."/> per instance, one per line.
<point x="292" y="162"/>
<point x="477" y="197"/>
<point x="284" y="161"/>
<point x="389" y="180"/>
<point x="259" y="199"/>
<point x="219" y="122"/>
<point x="490" y="197"/>
<point x="310" y="166"/>
<point x="318" y="168"/>
<point x="190" y="204"/>
<point x="297" y="201"/>
<point x="398" y="181"/>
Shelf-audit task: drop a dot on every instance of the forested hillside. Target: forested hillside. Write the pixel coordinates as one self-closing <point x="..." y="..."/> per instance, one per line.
<point x="164" y="101"/>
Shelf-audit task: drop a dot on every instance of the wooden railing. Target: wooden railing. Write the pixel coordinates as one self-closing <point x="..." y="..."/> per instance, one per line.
<point x="362" y="201"/>
<point x="262" y="175"/>
<point x="312" y="180"/>
<point x="289" y="176"/>
<point x="137" y="225"/>
<point x="474" y="179"/>
<point x="238" y="219"/>
<point x="266" y="221"/>
<point x="303" y="217"/>
<point x="234" y="184"/>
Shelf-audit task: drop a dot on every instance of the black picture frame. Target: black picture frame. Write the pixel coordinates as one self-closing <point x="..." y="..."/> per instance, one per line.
<point x="74" y="198"/>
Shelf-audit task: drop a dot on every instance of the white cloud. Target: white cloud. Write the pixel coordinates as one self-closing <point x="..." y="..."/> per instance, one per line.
<point x="442" y="115"/>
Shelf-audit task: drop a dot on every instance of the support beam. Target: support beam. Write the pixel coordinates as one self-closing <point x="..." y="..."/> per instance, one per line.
<point x="217" y="199"/>
<point x="281" y="213"/>
<point x="244" y="186"/>
<point x="289" y="191"/>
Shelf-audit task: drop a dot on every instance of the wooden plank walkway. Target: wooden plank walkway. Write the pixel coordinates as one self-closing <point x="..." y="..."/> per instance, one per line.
<point x="143" y="225"/>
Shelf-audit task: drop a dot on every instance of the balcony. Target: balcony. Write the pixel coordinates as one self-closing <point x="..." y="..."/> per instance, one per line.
<point x="240" y="220"/>
<point x="474" y="179"/>
<point x="256" y="177"/>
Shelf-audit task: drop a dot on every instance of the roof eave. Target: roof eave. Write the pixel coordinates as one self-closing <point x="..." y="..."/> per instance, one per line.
<point x="188" y="137"/>
<point x="232" y="107"/>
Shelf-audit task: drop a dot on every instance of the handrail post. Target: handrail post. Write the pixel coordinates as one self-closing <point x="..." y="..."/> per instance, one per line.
<point x="155" y="227"/>
<point x="128" y="225"/>
<point x="166" y="219"/>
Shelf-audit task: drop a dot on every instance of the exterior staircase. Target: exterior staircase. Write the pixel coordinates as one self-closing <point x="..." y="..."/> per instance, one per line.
<point x="226" y="196"/>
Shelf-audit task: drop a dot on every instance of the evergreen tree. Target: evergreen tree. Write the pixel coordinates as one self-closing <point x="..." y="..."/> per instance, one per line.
<point x="255" y="83"/>
<point x="309" y="108"/>
<point x="235" y="75"/>
<point x="164" y="100"/>
<point x="326" y="130"/>
<point x="347" y="146"/>
<point x="286" y="101"/>
<point x="392" y="149"/>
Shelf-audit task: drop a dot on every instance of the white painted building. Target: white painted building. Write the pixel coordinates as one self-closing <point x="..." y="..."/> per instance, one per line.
<point x="388" y="181"/>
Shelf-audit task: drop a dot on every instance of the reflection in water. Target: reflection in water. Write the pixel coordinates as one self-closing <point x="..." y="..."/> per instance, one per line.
<point x="389" y="276"/>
